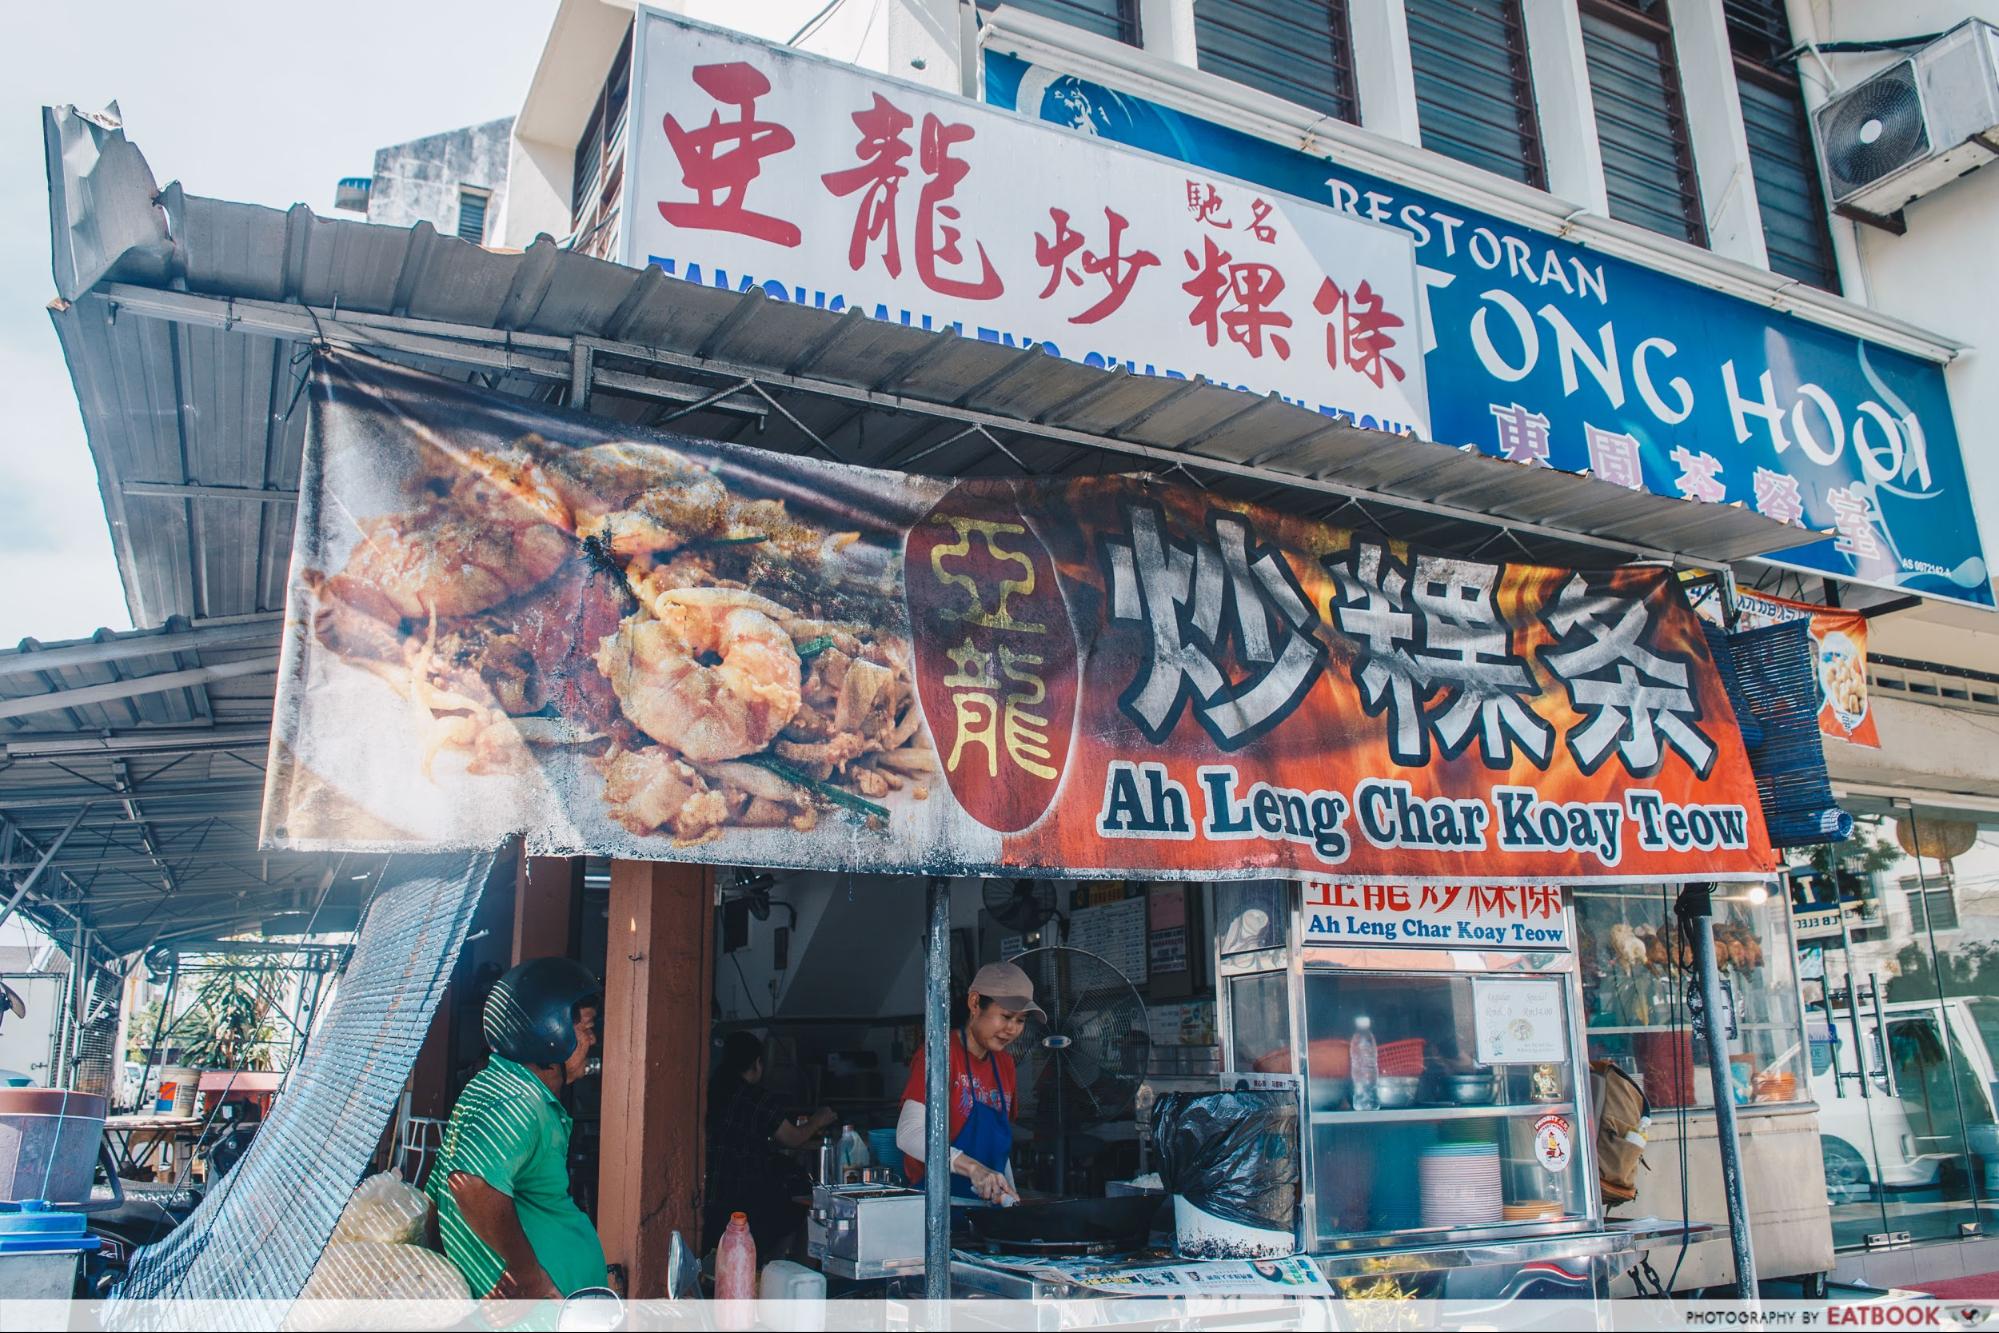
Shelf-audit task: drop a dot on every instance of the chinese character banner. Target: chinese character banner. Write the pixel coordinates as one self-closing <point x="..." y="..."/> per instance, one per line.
<point x="755" y="167"/>
<point x="509" y="619"/>
<point x="1550" y="352"/>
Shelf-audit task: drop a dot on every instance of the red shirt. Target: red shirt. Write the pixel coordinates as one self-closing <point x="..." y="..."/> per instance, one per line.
<point x="967" y="1082"/>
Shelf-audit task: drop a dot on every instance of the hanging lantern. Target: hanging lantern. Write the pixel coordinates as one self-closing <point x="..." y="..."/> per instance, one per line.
<point x="1939" y="839"/>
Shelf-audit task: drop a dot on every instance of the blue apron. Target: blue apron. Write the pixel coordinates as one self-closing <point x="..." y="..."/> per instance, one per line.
<point x="987" y="1134"/>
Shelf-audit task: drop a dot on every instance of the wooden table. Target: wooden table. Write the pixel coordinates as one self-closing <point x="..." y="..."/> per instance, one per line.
<point x="135" y="1139"/>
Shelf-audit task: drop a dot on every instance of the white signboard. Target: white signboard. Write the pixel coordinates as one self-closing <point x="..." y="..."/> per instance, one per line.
<point x="1519" y="1022"/>
<point x="1437" y="916"/>
<point x="1817" y="923"/>
<point x="756" y="166"/>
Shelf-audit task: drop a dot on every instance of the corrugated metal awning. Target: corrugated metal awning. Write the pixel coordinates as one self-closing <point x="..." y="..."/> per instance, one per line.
<point x="189" y="405"/>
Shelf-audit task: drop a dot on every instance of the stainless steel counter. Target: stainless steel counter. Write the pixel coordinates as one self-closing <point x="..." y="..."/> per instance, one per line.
<point x="1597" y="1252"/>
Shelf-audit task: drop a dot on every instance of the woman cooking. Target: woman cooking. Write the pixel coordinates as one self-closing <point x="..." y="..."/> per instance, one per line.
<point x="983" y="1092"/>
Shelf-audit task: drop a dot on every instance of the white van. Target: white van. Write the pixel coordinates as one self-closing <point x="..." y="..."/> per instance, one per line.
<point x="1920" y="1114"/>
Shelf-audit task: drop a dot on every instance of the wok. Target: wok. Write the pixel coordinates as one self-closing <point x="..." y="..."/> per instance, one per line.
<point x="1122" y="1222"/>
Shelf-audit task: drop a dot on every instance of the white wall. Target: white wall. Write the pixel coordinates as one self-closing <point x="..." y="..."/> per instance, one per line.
<point x="24" y="1042"/>
<point x="1940" y="273"/>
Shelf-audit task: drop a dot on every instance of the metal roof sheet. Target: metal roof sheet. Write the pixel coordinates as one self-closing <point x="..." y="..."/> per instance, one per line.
<point x="169" y="400"/>
<point x="137" y="758"/>
<point x="187" y="321"/>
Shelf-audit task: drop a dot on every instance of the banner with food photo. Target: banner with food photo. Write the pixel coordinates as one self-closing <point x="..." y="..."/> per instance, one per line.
<point x="509" y="619"/>
<point x="1839" y="645"/>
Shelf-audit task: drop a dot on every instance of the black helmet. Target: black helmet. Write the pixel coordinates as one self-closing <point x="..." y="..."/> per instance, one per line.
<point x="531" y="1011"/>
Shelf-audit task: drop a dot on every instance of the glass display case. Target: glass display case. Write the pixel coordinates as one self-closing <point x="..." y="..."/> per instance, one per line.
<point x="1476" y="1130"/>
<point x="1637" y="976"/>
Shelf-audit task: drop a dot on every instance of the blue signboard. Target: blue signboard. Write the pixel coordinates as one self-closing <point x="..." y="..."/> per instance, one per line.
<point x="1548" y="352"/>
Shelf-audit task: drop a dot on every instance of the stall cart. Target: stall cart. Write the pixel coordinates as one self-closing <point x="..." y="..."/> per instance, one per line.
<point x="1476" y="1157"/>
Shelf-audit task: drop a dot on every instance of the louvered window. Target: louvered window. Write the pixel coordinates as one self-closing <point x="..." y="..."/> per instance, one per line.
<point x="600" y="159"/>
<point x="1298" y="50"/>
<point x="1641" y="118"/>
<point x="1795" y="228"/>
<point x="1474" y="96"/>
<point x="1116" y="19"/>
<point x="472" y="216"/>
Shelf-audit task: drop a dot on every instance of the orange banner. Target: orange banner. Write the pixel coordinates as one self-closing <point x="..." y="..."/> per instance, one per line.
<point x="507" y="619"/>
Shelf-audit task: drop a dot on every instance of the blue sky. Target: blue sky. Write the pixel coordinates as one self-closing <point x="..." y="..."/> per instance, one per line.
<point x="268" y="102"/>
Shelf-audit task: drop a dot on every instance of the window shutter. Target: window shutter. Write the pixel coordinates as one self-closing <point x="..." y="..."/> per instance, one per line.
<point x="1796" y="231"/>
<point x="1116" y="19"/>
<point x="1641" y="120"/>
<point x="1299" y="50"/>
<point x="472" y="216"/>
<point x="1474" y="96"/>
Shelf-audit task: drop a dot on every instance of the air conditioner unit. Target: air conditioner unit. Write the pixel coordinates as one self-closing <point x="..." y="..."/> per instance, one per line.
<point x="1920" y="123"/>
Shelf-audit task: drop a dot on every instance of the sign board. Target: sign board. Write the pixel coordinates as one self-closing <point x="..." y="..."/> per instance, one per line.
<point x="510" y="619"/>
<point x="1114" y="932"/>
<point x="1816" y="923"/>
<point x="1288" y="1277"/>
<point x="756" y="166"/>
<point x="1519" y="1022"/>
<point x="1550" y="353"/>
<point x="1436" y="916"/>
<point x="1839" y="642"/>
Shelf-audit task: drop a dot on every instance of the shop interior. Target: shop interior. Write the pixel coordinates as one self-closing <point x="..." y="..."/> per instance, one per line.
<point x="828" y="970"/>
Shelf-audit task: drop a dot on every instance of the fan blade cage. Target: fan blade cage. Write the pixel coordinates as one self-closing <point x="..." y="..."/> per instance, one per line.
<point x="1874" y="129"/>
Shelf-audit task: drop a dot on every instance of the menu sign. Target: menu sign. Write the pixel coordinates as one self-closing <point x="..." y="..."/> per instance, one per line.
<point x="1519" y="1022"/>
<point x="1437" y="916"/>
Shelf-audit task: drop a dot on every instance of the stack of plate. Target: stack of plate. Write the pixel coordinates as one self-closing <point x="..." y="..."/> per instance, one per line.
<point x="1534" y="1210"/>
<point x="1460" y="1184"/>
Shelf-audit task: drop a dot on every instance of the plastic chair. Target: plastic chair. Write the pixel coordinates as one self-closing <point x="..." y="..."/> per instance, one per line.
<point x="421" y="1140"/>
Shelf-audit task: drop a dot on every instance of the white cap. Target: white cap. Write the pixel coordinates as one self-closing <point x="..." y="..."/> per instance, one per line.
<point x="1006" y="985"/>
<point x="1363" y="1023"/>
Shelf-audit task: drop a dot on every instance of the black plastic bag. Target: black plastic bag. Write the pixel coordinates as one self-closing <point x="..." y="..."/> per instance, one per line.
<point x="1233" y="1154"/>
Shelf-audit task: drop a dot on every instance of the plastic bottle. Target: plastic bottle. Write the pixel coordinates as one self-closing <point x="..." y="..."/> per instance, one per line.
<point x="736" y="1264"/>
<point x="1364" y="1065"/>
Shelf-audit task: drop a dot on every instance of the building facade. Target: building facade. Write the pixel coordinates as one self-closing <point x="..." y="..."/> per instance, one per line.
<point x="1672" y="136"/>
<point x="456" y="181"/>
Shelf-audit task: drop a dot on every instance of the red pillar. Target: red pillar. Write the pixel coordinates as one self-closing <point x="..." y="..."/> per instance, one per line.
<point x="659" y="984"/>
<point x="545" y="892"/>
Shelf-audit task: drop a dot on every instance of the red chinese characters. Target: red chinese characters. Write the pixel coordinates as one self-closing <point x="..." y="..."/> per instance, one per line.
<point x="937" y="234"/>
<point x="719" y="160"/>
<point x="1238" y="297"/>
<point x="996" y="658"/>
<point x="1259" y="226"/>
<point x="881" y="171"/>
<point x="1362" y="335"/>
<point x="1117" y="270"/>
<point x="1204" y="201"/>
<point x="879" y="174"/>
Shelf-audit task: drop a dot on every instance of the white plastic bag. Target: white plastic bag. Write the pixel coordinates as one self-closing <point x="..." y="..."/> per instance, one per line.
<point x="369" y="1284"/>
<point x="383" y="1209"/>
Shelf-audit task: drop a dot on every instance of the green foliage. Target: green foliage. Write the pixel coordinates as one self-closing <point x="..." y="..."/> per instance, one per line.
<point x="229" y="1024"/>
<point x="1867" y="852"/>
<point x="139" y="1032"/>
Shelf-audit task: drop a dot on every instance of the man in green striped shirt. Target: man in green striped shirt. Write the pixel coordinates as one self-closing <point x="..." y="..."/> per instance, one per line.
<point x="501" y="1181"/>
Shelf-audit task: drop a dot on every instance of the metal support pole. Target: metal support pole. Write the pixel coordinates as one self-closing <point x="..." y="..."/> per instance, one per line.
<point x="159" y="1032"/>
<point x="937" y="1095"/>
<point x="1696" y="913"/>
<point x="27" y="885"/>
